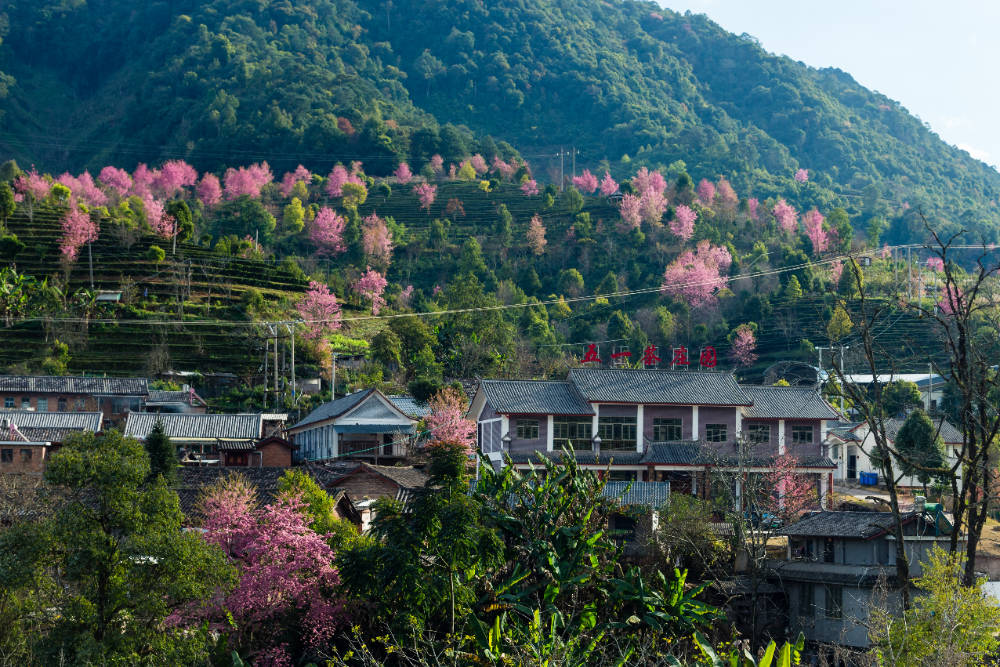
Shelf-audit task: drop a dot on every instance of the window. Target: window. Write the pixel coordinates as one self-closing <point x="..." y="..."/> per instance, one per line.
<point x="9" y="402"/>
<point x="25" y="403"/>
<point x="6" y="455"/>
<point x="43" y="405"/>
<point x="834" y="597"/>
<point x="759" y="433"/>
<point x="25" y="455"/>
<point x="666" y="430"/>
<point x="806" y="600"/>
<point x="828" y="550"/>
<point x="835" y="452"/>
<point x="621" y="476"/>
<point x="573" y="433"/>
<point x="802" y="435"/>
<point x="527" y="429"/>
<point x="78" y="405"/>
<point x="617" y="432"/>
<point x="715" y="432"/>
<point x="62" y="405"/>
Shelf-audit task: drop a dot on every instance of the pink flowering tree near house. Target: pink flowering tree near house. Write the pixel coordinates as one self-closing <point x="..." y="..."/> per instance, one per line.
<point x="327" y="232"/>
<point x="209" y="190"/>
<point x="78" y="229"/>
<point x="645" y="180"/>
<point x="376" y="239"/>
<point x="789" y="493"/>
<point x="335" y="181"/>
<point x="813" y="222"/>
<point x="744" y="346"/>
<point x="370" y="286"/>
<point x="529" y="188"/>
<point x="403" y="174"/>
<point x="630" y="210"/>
<point x="447" y="424"/>
<point x="285" y="601"/>
<point x="585" y="182"/>
<point x="801" y="176"/>
<point x="608" y="185"/>
<point x="319" y="311"/>
<point x="293" y="178"/>
<point x="682" y="225"/>
<point x="536" y="235"/>
<point x="786" y="216"/>
<point x="652" y="206"/>
<point x="696" y="276"/>
<point x="706" y="191"/>
<point x="117" y="179"/>
<point x="426" y="193"/>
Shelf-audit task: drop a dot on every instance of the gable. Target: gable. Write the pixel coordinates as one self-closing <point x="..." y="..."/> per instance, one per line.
<point x="374" y="409"/>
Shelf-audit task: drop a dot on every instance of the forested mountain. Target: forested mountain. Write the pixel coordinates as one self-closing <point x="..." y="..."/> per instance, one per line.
<point x="320" y="81"/>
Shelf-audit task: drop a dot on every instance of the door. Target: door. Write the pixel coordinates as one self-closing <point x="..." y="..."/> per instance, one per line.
<point x="852" y="466"/>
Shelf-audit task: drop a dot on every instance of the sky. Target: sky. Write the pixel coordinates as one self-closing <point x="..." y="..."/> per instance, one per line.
<point x="937" y="59"/>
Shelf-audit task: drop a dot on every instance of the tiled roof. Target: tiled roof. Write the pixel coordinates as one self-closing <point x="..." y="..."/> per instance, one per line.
<point x="58" y="435"/>
<point x="585" y="458"/>
<point x="407" y="477"/>
<point x="196" y="427"/>
<point x="949" y="433"/>
<point x="77" y="421"/>
<point x="657" y="386"/>
<point x="697" y="454"/>
<point x="863" y="525"/>
<point x="157" y="396"/>
<point x="675" y="453"/>
<point x="75" y="385"/>
<point x="410" y="406"/>
<point x="335" y="408"/>
<point x="235" y="445"/>
<point x="786" y="403"/>
<point x="535" y="397"/>
<point x="648" y="494"/>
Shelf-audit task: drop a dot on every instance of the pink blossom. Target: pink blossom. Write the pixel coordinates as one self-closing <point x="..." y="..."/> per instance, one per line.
<point x="504" y="169"/>
<point x="683" y="223"/>
<point x="652" y="206"/>
<point x="403" y="173"/>
<point x="801" y="175"/>
<point x="935" y="264"/>
<point x="33" y="184"/>
<point x="744" y="345"/>
<point x="370" y="286"/>
<point x="813" y="221"/>
<point x="292" y="178"/>
<point x="452" y="172"/>
<point x="406" y="296"/>
<point x="529" y="188"/>
<point x="247" y="181"/>
<point x="608" y="185"/>
<point x="697" y="275"/>
<point x="786" y="216"/>
<point x="752" y="205"/>
<point x="706" y="192"/>
<point x="794" y="492"/>
<point x="319" y="311"/>
<point x="437" y="164"/>
<point x="78" y="229"/>
<point x="836" y="270"/>
<point x="536" y="235"/>
<point x="585" y="182"/>
<point x="327" y="232"/>
<point x="447" y="423"/>
<point x="162" y="224"/>
<point x="376" y="239"/>
<point x="356" y="169"/>
<point x="335" y="181"/>
<point x="426" y="193"/>
<point x="725" y="195"/>
<point x="630" y="209"/>
<point x="478" y="163"/>
<point x="84" y="189"/>
<point x="210" y="190"/>
<point x="646" y="180"/>
<point x="116" y="179"/>
<point x="174" y="175"/>
<point x="437" y="290"/>
<point x="886" y="252"/>
<point x="953" y="301"/>
<point x="142" y="181"/>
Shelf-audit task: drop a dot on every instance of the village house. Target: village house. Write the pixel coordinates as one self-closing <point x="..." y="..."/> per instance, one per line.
<point x="114" y="397"/>
<point x="28" y="439"/>
<point x="223" y="440"/>
<point x="655" y="425"/>
<point x="366" y="483"/>
<point x="183" y="400"/>
<point x="364" y="425"/>
<point x="839" y="564"/>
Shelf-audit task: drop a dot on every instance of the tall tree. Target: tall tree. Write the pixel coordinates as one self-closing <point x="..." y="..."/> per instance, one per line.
<point x="162" y="453"/>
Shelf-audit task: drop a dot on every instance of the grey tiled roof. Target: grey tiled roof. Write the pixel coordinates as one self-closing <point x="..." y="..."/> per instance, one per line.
<point x="407" y="477"/>
<point x="786" y="403"/>
<point x="193" y="426"/>
<point x="335" y="408"/>
<point x="78" y="421"/>
<point x="191" y="480"/>
<point x="647" y="494"/>
<point x="161" y="396"/>
<point x="675" y="453"/>
<point x="58" y="435"/>
<point x="75" y="385"/>
<point x="657" y="386"/>
<point x="535" y="397"/>
<point x="949" y="434"/>
<point x="586" y="458"/>
<point x="410" y="407"/>
<point x="863" y="525"/>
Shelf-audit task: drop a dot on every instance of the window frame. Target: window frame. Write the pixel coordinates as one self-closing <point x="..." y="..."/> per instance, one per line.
<point x="618" y="433"/>
<point x="42" y="404"/>
<point x="7" y="455"/>
<point x="62" y="404"/>
<point x="665" y="425"/>
<point x="835" y="610"/>
<point x="796" y="432"/>
<point x="26" y="454"/>
<point x="566" y="431"/>
<point x="716" y="432"/>
<point x="525" y="427"/>
<point x="765" y="428"/>
<point x="9" y="403"/>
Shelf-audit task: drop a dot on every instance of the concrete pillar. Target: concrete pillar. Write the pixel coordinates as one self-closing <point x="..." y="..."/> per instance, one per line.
<point x="781" y="437"/>
<point x="549" y="435"/>
<point x="639" y="423"/>
<point x="504" y="428"/>
<point x="694" y="422"/>
<point x="739" y="423"/>
<point x="824" y="489"/>
<point x="597" y="415"/>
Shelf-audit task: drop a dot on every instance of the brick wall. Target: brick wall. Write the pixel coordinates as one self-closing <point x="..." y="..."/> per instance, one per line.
<point x="275" y="455"/>
<point x="22" y="458"/>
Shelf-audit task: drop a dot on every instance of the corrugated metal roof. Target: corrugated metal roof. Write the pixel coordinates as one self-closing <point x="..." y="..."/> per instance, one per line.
<point x="410" y="406"/>
<point x="657" y="386"/>
<point x="57" y="384"/>
<point x="80" y="421"/>
<point x="196" y="427"/>
<point x="334" y="408"/>
<point x="647" y="494"/>
<point x="535" y="397"/>
<point x="786" y="403"/>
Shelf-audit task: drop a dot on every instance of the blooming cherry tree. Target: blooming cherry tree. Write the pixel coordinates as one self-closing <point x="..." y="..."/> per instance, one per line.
<point x="585" y="182"/>
<point x="78" y="229"/>
<point x="696" y="276"/>
<point x="84" y="189"/>
<point x="725" y="196"/>
<point x="335" y="181"/>
<point x="744" y="346"/>
<point x="813" y="221"/>
<point x="426" y="193"/>
<point x="530" y="188"/>
<point x="935" y="264"/>
<point x="645" y="180"/>
<point x="608" y="185"/>
<point x="801" y="176"/>
<point x="403" y="174"/>
<point x="293" y="178"/>
<point x="652" y="206"/>
<point x="683" y="223"/>
<point x="447" y="424"/>
<point x="836" y="270"/>
<point x="536" y="235"/>
<point x="504" y="169"/>
<point x="319" y="310"/>
<point x="33" y="184"/>
<point x="117" y="179"/>
<point x="327" y="232"/>
<point x="142" y="181"/>
<point x="786" y="216"/>
<point x="376" y="239"/>
<point x="752" y="205"/>
<point x="706" y="191"/>
<point x="437" y="164"/>
<point x="478" y="163"/>
<point x="247" y="180"/>
<point x="173" y="176"/>
<point x="370" y="286"/>
<point x="209" y="190"/>
<point x="630" y="209"/>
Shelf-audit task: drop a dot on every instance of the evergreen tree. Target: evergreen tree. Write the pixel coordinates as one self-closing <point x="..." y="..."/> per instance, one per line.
<point x="919" y="446"/>
<point x="162" y="454"/>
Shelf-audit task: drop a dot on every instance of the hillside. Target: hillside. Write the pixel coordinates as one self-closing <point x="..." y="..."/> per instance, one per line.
<point x="321" y="81"/>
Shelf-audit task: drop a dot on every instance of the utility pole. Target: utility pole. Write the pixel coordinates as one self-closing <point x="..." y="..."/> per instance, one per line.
<point x="267" y="348"/>
<point x="333" y="376"/>
<point x="90" y="259"/>
<point x="562" y="177"/>
<point x="574" y="161"/>
<point x="275" y="367"/>
<point x="291" y="334"/>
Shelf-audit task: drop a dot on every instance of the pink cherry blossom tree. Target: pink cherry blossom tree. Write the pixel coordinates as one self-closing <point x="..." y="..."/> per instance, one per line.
<point x="790" y="492"/>
<point x="33" y="184"/>
<point x="725" y="196"/>
<point x="801" y="175"/>
<point x="319" y="311"/>
<point x="585" y="182"/>
<point x="813" y="221"/>
<point x="744" y="346"/>
<point x="479" y="164"/>
<point x="953" y="300"/>
<point x="630" y="210"/>
<point x="247" y="180"/>
<point x="84" y="189"/>
<point x="142" y="181"/>
<point x="293" y="178"/>
<point x="536" y="235"/>
<point x="504" y="169"/>
<point x="645" y="180"/>
<point x="706" y="191"/>
<point x="652" y="206"/>
<point x="406" y="296"/>
<point x="426" y="193"/>
<point x="403" y="174"/>
<point x="696" y="276"/>
<point x="836" y="270"/>
<point x="117" y="179"/>
<point x="327" y="232"/>
<point x="683" y="223"/>
<point x="370" y="286"/>
<point x="209" y="190"/>
<point x="530" y="188"/>
<point x="376" y="239"/>
<point x="935" y="264"/>
<point x="608" y="185"/>
<point x="335" y="181"/>
<point x="786" y="216"/>
<point x="447" y="424"/>
<point x="78" y="228"/>
<point x="437" y="164"/>
<point x="752" y="205"/>
<point x="173" y="176"/>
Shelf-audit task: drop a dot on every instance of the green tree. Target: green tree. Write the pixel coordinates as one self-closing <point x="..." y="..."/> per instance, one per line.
<point x="185" y="222"/>
<point x="852" y="280"/>
<point x="840" y="222"/>
<point x="839" y="325"/>
<point x="319" y="507"/>
<point x="792" y="291"/>
<point x="899" y="396"/>
<point x="471" y="259"/>
<point x="111" y="560"/>
<point x="293" y="217"/>
<point x="919" y="446"/>
<point x="244" y="217"/>
<point x="162" y="453"/>
<point x="505" y="226"/>
<point x="620" y="326"/>
<point x="387" y="349"/>
<point x="572" y="200"/>
<point x="570" y="282"/>
<point x="608" y="284"/>
<point x="7" y="203"/>
<point x="156" y="254"/>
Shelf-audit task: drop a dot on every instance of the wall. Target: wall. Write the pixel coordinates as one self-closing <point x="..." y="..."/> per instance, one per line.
<point x="849" y="629"/>
<point x="538" y="444"/>
<point x="725" y="416"/>
<point x="802" y="450"/>
<point x="651" y="412"/>
<point x="35" y="465"/>
<point x="274" y="456"/>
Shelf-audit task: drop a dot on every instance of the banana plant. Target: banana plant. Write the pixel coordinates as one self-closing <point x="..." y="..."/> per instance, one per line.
<point x="788" y="655"/>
